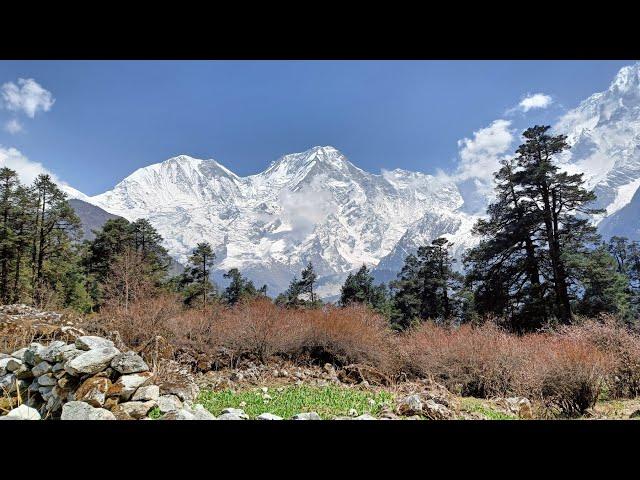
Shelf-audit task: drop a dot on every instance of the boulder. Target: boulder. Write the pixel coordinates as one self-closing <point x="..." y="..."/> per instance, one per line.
<point x="83" y="411"/>
<point x="137" y="410"/>
<point x="410" y="405"/>
<point x="169" y="403"/>
<point x="230" y="416"/>
<point x="3" y="365"/>
<point x="126" y="385"/>
<point x="93" y="391"/>
<point x="88" y="342"/>
<point x="235" y="411"/>
<point x="436" y="411"/>
<point x="23" y="373"/>
<point x="268" y="416"/>
<point x="129" y="362"/>
<point x="178" y="415"/>
<point x="92" y="361"/>
<point x="183" y="388"/>
<point x="306" y="416"/>
<point x="200" y="413"/>
<point x="24" y="412"/>
<point x="13" y="364"/>
<point x="365" y="416"/>
<point x="143" y="394"/>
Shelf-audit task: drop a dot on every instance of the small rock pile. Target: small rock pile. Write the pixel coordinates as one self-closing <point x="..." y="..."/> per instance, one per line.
<point x="90" y="379"/>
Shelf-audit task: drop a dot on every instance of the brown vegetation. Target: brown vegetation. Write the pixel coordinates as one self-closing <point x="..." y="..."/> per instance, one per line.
<point x="567" y="369"/>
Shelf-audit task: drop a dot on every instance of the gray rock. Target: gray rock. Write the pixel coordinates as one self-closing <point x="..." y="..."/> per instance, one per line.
<point x="307" y="416"/>
<point x="69" y="354"/>
<point x="8" y="383"/>
<point x="237" y="412"/>
<point x="230" y="416"/>
<point x="184" y="389"/>
<point x="45" y="392"/>
<point x="143" y="394"/>
<point x="126" y="385"/>
<point x="178" y="415"/>
<point x="89" y="342"/>
<point x="200" y="413"/>
<point x="268" y="416"/>
<point x="47" y="380"/>
<point x="137" y="409"/>
<point x="84" y="411"/>
<point x="129" y="362"/>
<point x="92" y="361"/>
<point x="40" y="369"/>
<point x="50" y="352"/>
<point x="19" y="354"/>
<point x="169" y="403"/>
<point x="13" y="364"/>
<point x="58" y="367"/>
<point x="32" y="354"/>
<point x="3" y="365"/>
<point x="365" y="416"/>
<point x="24" y="412"/>
<point x="410" y="405"/>
<point x="23" y="373"/>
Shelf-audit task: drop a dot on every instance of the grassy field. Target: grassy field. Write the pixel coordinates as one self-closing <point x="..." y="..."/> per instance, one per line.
<point x="287" y="401"/>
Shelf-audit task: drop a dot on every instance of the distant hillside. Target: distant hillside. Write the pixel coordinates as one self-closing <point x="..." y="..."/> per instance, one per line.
<point x="92" y="217"/>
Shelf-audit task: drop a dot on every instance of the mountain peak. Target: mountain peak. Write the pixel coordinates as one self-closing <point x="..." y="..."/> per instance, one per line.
<point x="627" y="79"/>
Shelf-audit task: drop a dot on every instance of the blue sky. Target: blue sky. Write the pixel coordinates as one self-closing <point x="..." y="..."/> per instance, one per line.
<point x="100" y="120"/>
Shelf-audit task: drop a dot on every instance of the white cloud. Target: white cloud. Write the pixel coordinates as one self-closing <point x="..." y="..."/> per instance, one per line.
<point x="27" y="96"/>
<point x="536" y="100"/>
<point x="26" y="169"/>
<point x="13" y="126"/>
<point x="480" y="155"/>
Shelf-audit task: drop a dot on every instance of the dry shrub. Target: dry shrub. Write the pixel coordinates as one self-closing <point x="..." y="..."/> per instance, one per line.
<point x="565" y="372"/>
<point x="621" y="345"/>
<point x="481" y="361"/>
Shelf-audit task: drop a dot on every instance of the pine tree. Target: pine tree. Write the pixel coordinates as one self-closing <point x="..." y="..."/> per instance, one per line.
<point x="9" y="184"/>
<point x="308" y="279"/>
<point x="427" y="286"/>
<point x="197" y="278"/>
<point x="240" y="288"/>
<point x="537" y="224"/>
<point x="359" y="288"/>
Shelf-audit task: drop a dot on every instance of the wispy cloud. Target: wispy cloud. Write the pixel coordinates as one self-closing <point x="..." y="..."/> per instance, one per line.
<point x="13" y="126"/>
<point x="26" y="96"/>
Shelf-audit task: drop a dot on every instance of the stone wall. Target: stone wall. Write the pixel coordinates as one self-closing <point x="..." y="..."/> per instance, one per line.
<point x="90" y="379"/>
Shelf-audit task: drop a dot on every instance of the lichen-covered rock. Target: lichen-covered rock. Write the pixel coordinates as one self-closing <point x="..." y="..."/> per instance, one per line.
<point x="169" y="403"/>
<point x="306" y="416"/>
<point x="93" y="391"/>
<point x="436" y="411"/>
<point x="3" y="365"/>
<point x="129" y="362"/>
<point x="410" y="405"/>
<point x="143" y="394"/>
<point x="183" y="388"/>
<point x="92" y="361"/>
<point x="23" y="412"/>
<point x="137" y="409"/>
<point x="179" y="415"/>
<point x="230" y="416"/>
<point x="19" y="354"/>
<point x="23" y="373"/>
<point x="126" y="385"/>
<point x="13" y="364"/>
<point x="84" y="411"/>
<point x="89" y="342"/>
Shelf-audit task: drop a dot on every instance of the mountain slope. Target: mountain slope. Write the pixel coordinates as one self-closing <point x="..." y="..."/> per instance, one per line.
<point x="91" y="217"/>
<point x="314" y="206"/>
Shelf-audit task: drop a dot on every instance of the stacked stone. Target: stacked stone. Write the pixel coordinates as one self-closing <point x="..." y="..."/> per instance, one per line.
<point x="89" y="379"/>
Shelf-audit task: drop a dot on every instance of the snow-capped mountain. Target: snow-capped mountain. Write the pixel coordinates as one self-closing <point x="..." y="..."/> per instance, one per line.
<point x="604" y="131"/>
<point x="311" y="206"/>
